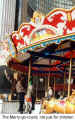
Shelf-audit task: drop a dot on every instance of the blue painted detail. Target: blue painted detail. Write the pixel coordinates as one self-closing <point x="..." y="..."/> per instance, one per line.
<point x="11" y="48"/>
<point x="46" y="53"/>
<point x="45" y="43"/>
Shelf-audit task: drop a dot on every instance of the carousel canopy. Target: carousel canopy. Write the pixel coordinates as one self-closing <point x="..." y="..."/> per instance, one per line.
<point x="44" y="38"/>
<point x="58" y="55"/>
<point x="57" y="26"/>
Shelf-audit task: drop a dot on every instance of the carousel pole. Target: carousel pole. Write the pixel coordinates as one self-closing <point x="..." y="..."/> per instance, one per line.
<point x="70" y="70"/>
<point x="29" y="72"/>
<point x="54" y="86"/>
<point x="48" y="79"/>
<point x="64" y="82"/>
<point x="36" y="92"/>
<point x="49" y="74"/>
<point x="45" y="86"/>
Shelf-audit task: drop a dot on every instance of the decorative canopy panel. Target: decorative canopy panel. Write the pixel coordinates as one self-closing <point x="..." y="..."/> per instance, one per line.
<point x="42" y="31"/>
<point x="58" y="24"/>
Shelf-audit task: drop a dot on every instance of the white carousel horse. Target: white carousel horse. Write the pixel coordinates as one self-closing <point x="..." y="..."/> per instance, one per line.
<point x="28" y="100"/>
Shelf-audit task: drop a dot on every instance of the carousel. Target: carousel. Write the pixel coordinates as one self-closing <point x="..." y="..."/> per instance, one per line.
<point x="45" y="47"/>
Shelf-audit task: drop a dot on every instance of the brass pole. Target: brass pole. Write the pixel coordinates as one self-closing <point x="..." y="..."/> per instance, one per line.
<point x="70" y="71"/>
<point x="45" y="86"/>
<point x="64" y="82"/>
<point x="36" y="90"/>
<point x="48" y="79"/>
<point x="49" y="74"/>
<point x="36" y="93"/>
<point x="54" y="86"/>
<point x="29" y="72"/>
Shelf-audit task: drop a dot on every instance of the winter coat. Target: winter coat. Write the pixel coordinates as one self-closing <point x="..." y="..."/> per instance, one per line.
<point x="19" y="87"/>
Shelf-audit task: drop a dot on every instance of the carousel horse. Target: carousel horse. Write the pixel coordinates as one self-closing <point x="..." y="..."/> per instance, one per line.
<point x="47" y="106"/>
<point x="28" y="100"/>
<point x="65" y="106"/>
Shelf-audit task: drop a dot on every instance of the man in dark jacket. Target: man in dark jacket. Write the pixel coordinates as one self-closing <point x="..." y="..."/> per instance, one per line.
<point x="21" y="93"/>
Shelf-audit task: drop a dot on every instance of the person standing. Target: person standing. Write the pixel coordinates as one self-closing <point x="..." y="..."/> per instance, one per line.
<point x="50" y="92"/>
<point x="21" y="93"/>
<point x="33" y="100"/>
<point x="12" y="80"/>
